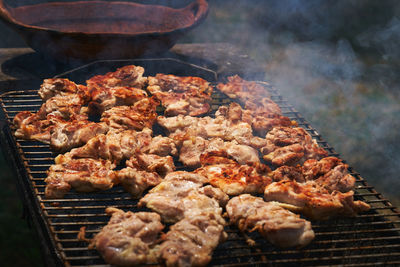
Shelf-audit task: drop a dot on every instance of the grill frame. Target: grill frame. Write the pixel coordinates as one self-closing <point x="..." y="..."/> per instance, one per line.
<point x="372" y="238"/>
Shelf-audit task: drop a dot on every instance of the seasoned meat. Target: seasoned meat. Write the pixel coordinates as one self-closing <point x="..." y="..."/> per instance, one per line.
<point x="136" y="181"/>
<point x="179" y="196"/>
<point x="84" y="175"/>
<point x="238" y="88"/>
<point x="62" y="87"/>
<point x="313" y="200"/>
<point x="114" y="146"/>
<point x="162" y="146"/>
<point x="137" y="117"/>
<point x="152" y="163"/>
<point x="70" y="134"/>
<point x="289" y="146"/>
<point x="288" y="173"/>
<point x="236" y="179"/>
<point x="67" y="107"/>
<point x="181" y="95"/>
<point x="129" y="239"/>
<point x="105" y="98"/>
<point x="191" y="241"/>
<point x="330" y="172"/>
<point x="30" y="126"/>
<point x="130" y="75"/>
<point x="279" y="226"/>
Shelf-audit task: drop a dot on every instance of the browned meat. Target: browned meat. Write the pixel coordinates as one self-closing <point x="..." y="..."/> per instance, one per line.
<point x="67" y="107"/>
<point x="289" y="146"/>
<point x="179" y="196"/>
<point x="136" y="181"/>
<point x="114" y="146"/>
<point x="130" y="75"/>
<point x="138" y="116"/>
<point x="162" y="146"/>
<point x="279" y="226"/>
<point x="105" y="98"/>
<point x="152" y="163"/>
<point x="243" y="90"/>
<point x="236" y="179"/>
<point x="288" y="173"/>
<point x="61" y="87"/>
<point x="191" y="241"/>
<point x="192" y="149"/>
<point x="30" y="126"/>
<point x="181" y="95"/>
<point x="129" y="239"/>
<point x="84" y="175"/>
<point x="70" y="134"/>
<point x="313" y="200"/>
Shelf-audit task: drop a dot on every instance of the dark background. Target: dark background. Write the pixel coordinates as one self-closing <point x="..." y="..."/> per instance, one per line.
<point x="336" y="61"/>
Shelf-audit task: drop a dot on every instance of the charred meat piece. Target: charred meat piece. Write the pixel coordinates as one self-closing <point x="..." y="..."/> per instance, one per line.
<point x="70" y="134"/>
<point x="276" y="224"/>
<point x="236" y="179"/>
<point x="84" y="175"/>
<point x="130" y="76"/>
<point x="289" y="146"/>
<point x="294" y="173"/>
<point x="62" y="87"/>
<point x="105" y="98"/>
<point x="129" y="239"/>
<point x="181" y="95"/>
<point x="238" y="88"/>
<point x="31" y="127"/>
<point x="114" y="146"/>
<point x="141" y="115"/>
<point x="179" y="196"/>
<point x="136" y="181"/>
<point x="192" y="149"/>
<point x="152" y="163"/>
<point x="330" y="173"/>
<point x="191" y="241"/>
<point x="67" y="107"/>
<point x="313" y="200"/>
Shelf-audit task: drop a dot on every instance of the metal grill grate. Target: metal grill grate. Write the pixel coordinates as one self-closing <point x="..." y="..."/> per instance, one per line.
<point x="372" y="238"/>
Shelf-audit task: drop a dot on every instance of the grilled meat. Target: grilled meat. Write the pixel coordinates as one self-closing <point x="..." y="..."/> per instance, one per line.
<point x="288" y="146"/>
<point x="138" y="116"/>
<point x="191" y="241"/>
<point x="235" y="179"/>
<point x="70" y="134"/>
<point x="114" y="146"/>
<point x="84" y="175"/>
<point x="181" y="95"/>
<point x="162" y="146"/>
<point x="130" y="76"/>
<point x="278" y="225"/>
<point x="136" y="181"/>
<point x="179" y="196"/>
<point x="67" y="107"/>
<point x="238" y="88"/>
<point x="152" y="163"/>
<point x="129" y="239"/>
<point x="313" y="200"/>
<point x="105" y="98"/>
<point x="62" y="87"/>
<point x="30" y="126"/>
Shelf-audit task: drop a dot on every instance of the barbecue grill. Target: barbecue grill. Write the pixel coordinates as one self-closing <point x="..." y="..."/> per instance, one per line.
<point x="370" y="239"/>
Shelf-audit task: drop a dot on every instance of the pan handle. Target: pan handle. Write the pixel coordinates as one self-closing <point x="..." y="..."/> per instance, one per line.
<point x="200" y="10"/>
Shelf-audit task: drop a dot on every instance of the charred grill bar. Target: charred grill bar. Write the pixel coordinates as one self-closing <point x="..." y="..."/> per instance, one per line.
<point x="370" y="239"/>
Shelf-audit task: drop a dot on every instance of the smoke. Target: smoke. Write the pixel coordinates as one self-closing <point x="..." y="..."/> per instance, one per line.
<point x="335" y="63"/>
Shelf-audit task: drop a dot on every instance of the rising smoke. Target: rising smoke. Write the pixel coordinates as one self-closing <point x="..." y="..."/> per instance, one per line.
<point x="337" y="62"/>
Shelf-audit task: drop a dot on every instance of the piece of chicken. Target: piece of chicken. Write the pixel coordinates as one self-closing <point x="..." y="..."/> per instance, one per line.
<point x="62" y="87"/>
<point x="140" y="115"/>
<point x="181" y="95"/>
<point x="129" y="238"/>
<point x="276" y="224"/>
<point x="70" y="134"/>
<point x="313" y="200"/>
<point x="130" y="76"/>
<point x="191" y="241"/>
<point x="136" y="181"/>
<point x="84" y="175"/>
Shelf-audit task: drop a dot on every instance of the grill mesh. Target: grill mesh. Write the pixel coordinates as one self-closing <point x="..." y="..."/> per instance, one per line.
<point x="371" y="238"/>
